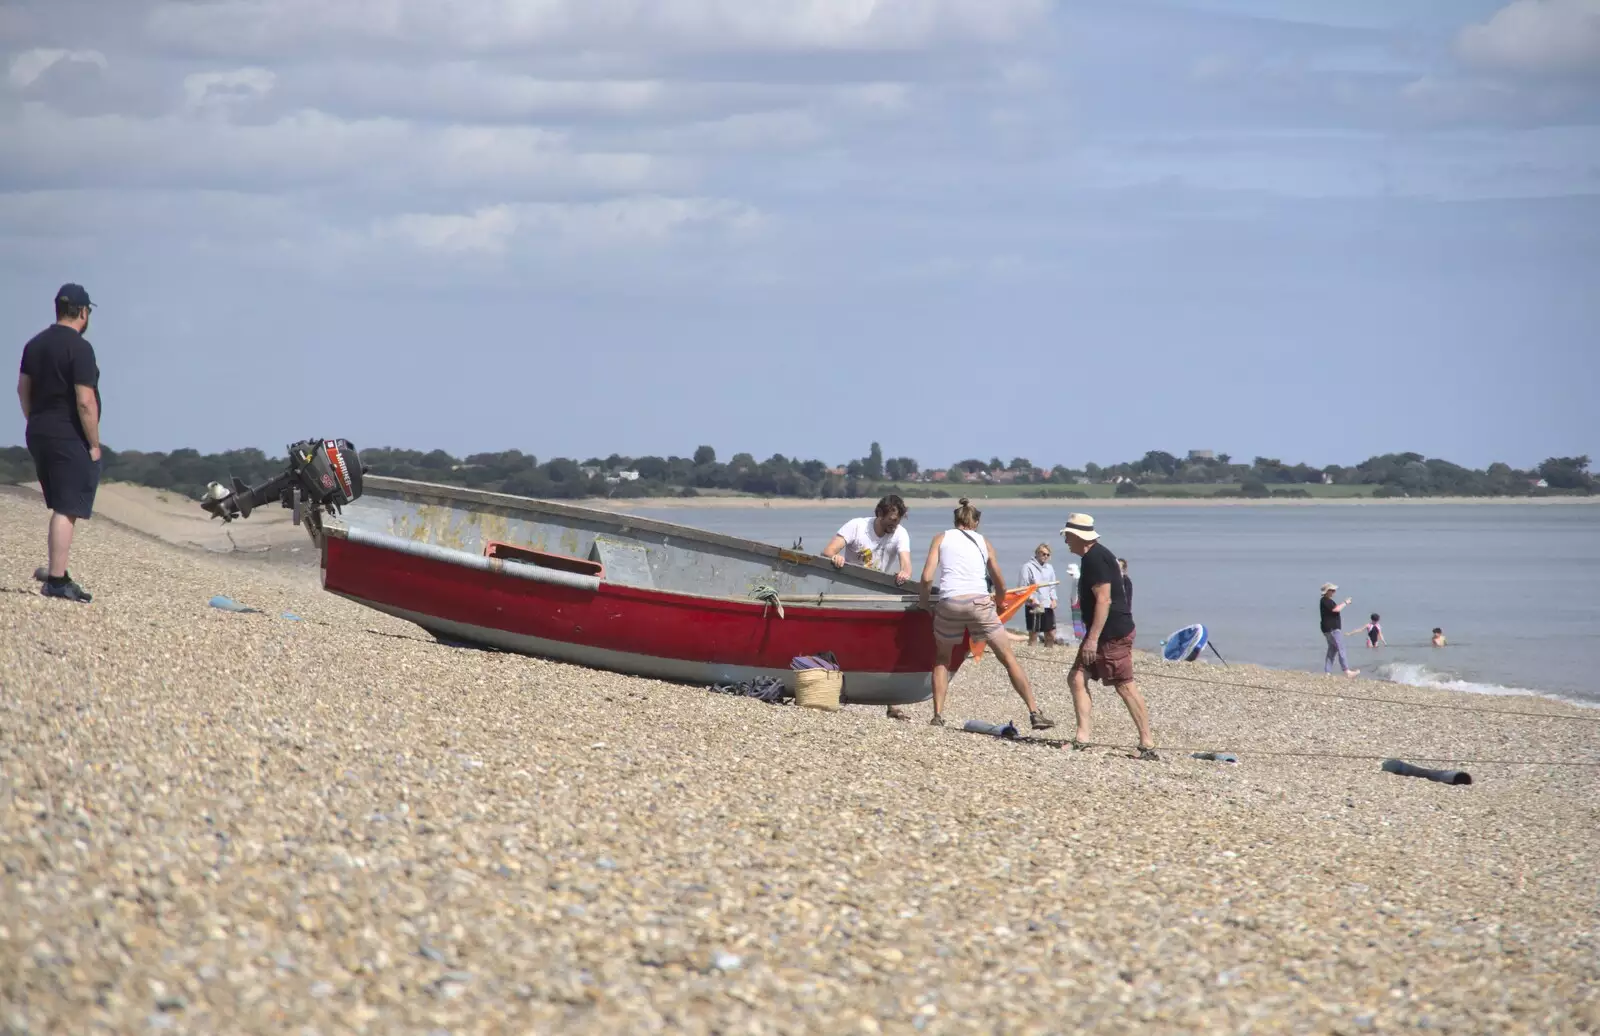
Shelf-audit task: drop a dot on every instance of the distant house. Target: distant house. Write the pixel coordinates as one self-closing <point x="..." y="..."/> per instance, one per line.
<point x="1003" y="477"/>
<point x="974" y="476"/>
<point x="841" y="471"/>
<point x="1202" y="455"/>
<point x="938" y="476"/>
<point x="590" y="471"/>
<point x="1327" y="479"/>
<point x="1541" y="484"/>
<point x="627" y="476"/>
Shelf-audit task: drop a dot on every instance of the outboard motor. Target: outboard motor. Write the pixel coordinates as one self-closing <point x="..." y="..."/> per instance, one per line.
<point x="324" y="475"/>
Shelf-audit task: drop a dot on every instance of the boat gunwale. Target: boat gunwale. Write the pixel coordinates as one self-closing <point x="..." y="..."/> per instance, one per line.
<point x="401" y="487"/>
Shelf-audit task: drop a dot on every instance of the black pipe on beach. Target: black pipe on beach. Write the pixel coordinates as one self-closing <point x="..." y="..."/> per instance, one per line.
<point x="1405" y="769"/>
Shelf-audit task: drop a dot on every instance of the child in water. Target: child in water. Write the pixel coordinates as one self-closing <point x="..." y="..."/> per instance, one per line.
<point x="1438" y="637"/>
<point x="1374" y="633"/>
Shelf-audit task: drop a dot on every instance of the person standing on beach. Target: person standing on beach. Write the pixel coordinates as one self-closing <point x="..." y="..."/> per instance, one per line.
<point x="59" y="389"/>
<point x="1106" y="653"/>
<point x="1127" y="582"/>
<point x="876" y="543"/>
<point x="1331" y="632"/>
<point x="1078" y="629"/>
<point x="971" y="593"/>
<point x="1040" y="611"/>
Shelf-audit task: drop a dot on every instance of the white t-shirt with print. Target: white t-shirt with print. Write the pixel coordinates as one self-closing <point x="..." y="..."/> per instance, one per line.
<point x="863" y="546"/>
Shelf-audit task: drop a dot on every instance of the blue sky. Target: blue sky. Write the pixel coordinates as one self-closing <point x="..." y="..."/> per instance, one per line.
<point x="1070" y="230"/>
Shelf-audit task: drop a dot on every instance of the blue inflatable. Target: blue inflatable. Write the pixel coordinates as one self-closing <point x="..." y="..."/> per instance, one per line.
<point x="1185" y="645"/>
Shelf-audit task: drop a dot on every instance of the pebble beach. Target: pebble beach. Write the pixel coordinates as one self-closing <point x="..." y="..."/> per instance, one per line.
<point x="214" y="822"/>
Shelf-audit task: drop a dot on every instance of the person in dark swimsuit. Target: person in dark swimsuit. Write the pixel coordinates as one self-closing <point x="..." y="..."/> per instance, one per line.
<point x="1375" y="633"/>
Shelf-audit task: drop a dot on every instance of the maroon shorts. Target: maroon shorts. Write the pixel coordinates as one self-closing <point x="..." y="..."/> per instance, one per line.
<point x="1113" y="663"/>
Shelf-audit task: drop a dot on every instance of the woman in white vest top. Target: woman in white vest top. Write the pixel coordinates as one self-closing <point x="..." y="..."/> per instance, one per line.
<point x="971" y="591"/>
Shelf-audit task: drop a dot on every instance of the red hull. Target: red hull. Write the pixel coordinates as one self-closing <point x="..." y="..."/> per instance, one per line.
<point x="886" y="654"/>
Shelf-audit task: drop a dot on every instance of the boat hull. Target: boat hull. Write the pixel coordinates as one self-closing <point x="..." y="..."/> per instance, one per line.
<point x="885" y="652"/>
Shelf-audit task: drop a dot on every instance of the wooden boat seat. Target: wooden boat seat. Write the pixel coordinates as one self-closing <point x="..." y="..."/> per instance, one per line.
<point x="544" y="559"/>
<point x="622" y="562"/>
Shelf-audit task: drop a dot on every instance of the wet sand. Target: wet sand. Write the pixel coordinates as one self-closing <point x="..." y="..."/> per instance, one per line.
<point x="216" y="822"/>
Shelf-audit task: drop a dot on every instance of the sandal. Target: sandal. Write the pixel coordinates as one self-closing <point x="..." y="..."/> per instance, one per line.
<point x="936" y="721"/>
<point x="1078" y="746"/>
<point x="896" y="713"/>
<point x="1147" y="755"/>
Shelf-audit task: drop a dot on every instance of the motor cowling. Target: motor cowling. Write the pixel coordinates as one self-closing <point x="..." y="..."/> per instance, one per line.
<point x="323" y="475"/>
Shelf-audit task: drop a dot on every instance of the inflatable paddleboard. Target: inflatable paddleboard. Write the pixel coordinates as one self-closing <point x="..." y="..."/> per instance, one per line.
<point x="1185" y="645"/>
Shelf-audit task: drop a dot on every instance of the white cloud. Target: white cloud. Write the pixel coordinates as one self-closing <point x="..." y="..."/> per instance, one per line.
<point x="223" y="89"/>
<point x="255" y="26"/>
<point x="641" y="220"/>
<point x="312" y="147"/>
<point x="1536" y="36"/>
<point x="474" y="91"/>
<point x="486" y="230"/>
<point x="28" y="66"/>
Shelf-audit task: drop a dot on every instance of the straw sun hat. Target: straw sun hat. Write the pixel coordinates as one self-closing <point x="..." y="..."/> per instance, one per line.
<point x="1081" y="526"/>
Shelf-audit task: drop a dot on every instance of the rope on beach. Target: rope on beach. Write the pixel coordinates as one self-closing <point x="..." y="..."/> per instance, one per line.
<point x="1358" y="697"/>
<point x="1063" y="743"/>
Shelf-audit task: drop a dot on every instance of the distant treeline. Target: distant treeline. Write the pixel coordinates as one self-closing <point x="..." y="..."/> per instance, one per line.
<point x="1157" y="473"/>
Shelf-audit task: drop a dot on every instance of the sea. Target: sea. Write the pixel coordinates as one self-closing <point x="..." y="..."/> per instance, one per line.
<point x="1515" y="587"/>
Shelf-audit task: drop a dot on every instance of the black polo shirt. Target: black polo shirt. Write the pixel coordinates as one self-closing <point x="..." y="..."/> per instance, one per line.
<point x="1330" y="615"/>
<point x="56" y="360"/>
<point x="1099" y="565"/>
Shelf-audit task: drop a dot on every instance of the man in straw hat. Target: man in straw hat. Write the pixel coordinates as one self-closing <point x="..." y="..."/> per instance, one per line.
<point x="1332" y="633"/>
<point x="1106" y="653"/>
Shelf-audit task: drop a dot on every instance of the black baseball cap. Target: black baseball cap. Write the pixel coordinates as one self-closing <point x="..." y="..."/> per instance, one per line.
<point x="73" y="295"/>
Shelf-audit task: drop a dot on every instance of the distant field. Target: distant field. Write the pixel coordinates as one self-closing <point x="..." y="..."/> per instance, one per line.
<point x="1103" y="492"/>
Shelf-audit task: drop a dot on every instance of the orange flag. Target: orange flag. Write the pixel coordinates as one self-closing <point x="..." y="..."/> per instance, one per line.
<point x="1014" y="599"/>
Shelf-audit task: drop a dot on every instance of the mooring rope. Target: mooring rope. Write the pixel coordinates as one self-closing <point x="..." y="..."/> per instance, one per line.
<point x="1064" y="743"/>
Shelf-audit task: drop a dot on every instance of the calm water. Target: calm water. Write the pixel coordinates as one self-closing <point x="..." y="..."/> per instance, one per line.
<point x="1514" y="587"/>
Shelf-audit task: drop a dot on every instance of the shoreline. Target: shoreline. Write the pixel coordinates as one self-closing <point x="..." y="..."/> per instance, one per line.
<point x="857" y="503"/>
<point x="270" y="539"/>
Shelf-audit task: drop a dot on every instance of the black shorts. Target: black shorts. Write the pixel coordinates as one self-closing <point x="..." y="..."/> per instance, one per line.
<point x="66" y="473"/>
<point x="1040" y="620"/>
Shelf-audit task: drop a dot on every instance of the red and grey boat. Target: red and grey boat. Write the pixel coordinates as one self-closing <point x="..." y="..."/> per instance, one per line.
<point x="597" y="588"/>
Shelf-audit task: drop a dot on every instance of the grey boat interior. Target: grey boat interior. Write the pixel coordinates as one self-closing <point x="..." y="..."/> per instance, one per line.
<point x="600" y="546"/>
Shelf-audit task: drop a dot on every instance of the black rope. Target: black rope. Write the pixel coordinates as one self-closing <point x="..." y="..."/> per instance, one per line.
<point x="1357" y="697"/>
<point x="1063" y="743"/>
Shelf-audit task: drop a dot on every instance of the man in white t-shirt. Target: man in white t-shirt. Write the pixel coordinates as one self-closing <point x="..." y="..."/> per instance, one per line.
<point x="878" y="543"/>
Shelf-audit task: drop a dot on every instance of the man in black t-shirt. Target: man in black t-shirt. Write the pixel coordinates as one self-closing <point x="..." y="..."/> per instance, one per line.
<point x="59" y="388"/>
<point x="1106" y="653"/>
<point x="1332" y="633"/>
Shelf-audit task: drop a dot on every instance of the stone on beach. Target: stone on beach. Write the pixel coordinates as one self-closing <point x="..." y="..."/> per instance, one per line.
<point x="230" y="822"/>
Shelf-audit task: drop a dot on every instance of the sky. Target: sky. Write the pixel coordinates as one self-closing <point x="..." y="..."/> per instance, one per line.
<point x="1070" y="230"/>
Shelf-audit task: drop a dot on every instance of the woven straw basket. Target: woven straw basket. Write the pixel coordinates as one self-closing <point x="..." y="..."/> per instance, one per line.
<point x="818" y="688"/>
